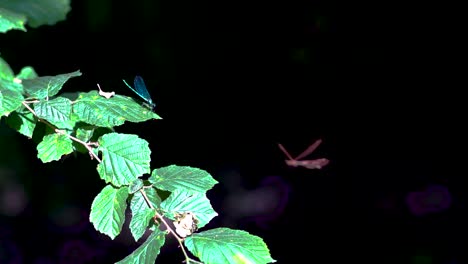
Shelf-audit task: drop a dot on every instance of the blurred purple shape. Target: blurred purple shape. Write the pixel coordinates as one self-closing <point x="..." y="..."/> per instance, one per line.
<point x="261" y="205"/>
<point x="76" y="252"/>
<point x="9" y="252"/>
<point x="434" y="198"/>
<point x="70" y="219"/>
<point x="43" y="260"/>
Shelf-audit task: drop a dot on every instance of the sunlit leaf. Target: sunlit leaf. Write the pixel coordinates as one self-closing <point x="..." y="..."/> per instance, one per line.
<point x="108" y="210"/>
<point x="140" y="222"/>
<point x="139" y="208"/>
<point x="53" y="147"/>
<point x="11" y="20"/>
<point x="228" y="246"/>
<point x="124" y="158"/>
<point x="100" y="111"/>
<point x="58" y="109"/>
<point x="186" y="178"/>
<point x="148" y="251"/>
<point x="180" y="201"/>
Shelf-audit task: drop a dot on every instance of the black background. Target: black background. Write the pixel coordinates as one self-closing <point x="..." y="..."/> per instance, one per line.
<point x="380" y="85"/>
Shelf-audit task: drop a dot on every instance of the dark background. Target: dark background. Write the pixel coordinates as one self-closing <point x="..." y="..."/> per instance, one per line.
<point x="380" y="85"/>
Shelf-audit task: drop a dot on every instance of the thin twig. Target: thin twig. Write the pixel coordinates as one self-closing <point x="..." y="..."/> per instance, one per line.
<point x="62" y="132"/>
<point x="86" y="145"/>
<point x="168" y="227"/>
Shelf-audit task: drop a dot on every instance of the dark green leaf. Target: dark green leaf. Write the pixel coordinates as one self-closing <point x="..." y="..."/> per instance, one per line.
<point x="39" y="12"/>
<point x="5" y="71"/>
<point x="24" y="123"/>
<point x="47" y="86"/>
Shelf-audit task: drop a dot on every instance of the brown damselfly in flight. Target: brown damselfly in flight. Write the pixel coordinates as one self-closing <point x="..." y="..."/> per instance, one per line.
<point x="308" y="164"/>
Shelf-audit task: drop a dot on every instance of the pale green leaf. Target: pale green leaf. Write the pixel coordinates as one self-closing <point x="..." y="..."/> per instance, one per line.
<point x="228" y="246"/>
<point x="100" y="111"/>
<point x="27" y="72"/>
<point x="180" y="201"/>
<point x="58" y="109"/>
<point x="24" y="123"/>
<point x="11" y="20"/>
<point x="124" y="158"/>
<point x="39" y="12"/>
<point x="108" y="210"/>
<point x="185" y="178"/>
<point x="148" y="251"/>
<point x="53" y="147"/>
<point x="11" y="84"/>
<point x="47" y="86"/>
<point x="139" y="208"/>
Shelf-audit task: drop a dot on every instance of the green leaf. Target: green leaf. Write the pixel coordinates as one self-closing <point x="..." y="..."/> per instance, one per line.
<point x="135" y="186"/>
<point x="228" y="246"/>
<point x="24" y="123"/>
<point x="5" y="71"/>
<point x="108" y="210"/>
<point x="124" y="158"/>
<point x="139" y="208"/>
<point x="10" y="100"/>
<point x="53" y="147"/>
<point x="138" y="201"/>
<point x="39" y="12"/>
<point x="11" y="20"/>
<point x="58" y="109"/>
<point x="11" y="84"/>
<point x="186" y="178"/>
<point x="85" y="133"/>
<point x="100" y="111"/>
<point x="27" y="72"/>
<point x="180" y="201"/>
<point x="140" y="222"/>
<point x="148" y="251"/>
<point x="67" y="125"/>
<point x="47" y="86"/>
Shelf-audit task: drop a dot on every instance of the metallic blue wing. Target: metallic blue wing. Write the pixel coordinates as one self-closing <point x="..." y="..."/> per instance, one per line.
<point x="141" y="90"/>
